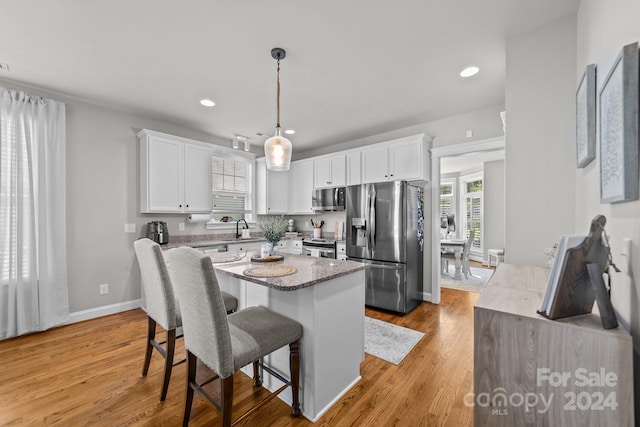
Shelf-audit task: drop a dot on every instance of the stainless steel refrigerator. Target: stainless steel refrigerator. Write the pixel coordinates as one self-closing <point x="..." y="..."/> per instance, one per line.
<point x="385" y="230"/>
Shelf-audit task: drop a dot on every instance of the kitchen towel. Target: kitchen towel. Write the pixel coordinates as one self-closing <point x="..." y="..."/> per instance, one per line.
<point x="199" y="218"/>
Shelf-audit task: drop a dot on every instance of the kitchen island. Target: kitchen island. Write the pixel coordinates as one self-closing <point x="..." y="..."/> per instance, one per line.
<point x="327" y="297"/>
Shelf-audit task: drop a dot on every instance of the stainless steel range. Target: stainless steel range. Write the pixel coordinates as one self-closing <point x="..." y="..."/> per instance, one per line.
<point x="321" y="248"/>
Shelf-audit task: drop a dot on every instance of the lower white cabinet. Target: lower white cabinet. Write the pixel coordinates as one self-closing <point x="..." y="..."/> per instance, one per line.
<point x="245" y="246"/>
<point x="290" y="246"/>
<point x="341" y="251"/>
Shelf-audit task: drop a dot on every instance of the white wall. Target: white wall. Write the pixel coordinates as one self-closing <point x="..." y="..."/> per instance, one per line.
<point x="603" y="28"/>
<point x="484" y="123"/>
<point x="493" y="218"/>
<point x="103" y="195"/>
<point x="540" y="140"/>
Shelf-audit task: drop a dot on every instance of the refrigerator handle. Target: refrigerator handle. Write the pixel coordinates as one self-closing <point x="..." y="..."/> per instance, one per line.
<point x="372" y="225"/>
<point x="384" y="267"/>
<point x="368" y="229"/>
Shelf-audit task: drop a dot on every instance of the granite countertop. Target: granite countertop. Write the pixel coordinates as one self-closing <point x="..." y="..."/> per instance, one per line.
<point x="200" y="241"/>
<point x="311" y="271"/>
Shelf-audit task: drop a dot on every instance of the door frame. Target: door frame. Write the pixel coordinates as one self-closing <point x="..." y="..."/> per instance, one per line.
<point x="490" y="144"/>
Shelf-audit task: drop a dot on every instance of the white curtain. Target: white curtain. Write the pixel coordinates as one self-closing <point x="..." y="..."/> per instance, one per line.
<point x="33" y="265"/>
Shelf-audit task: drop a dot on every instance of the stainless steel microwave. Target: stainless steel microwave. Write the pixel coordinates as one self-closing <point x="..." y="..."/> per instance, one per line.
<point x="329" y="199"/>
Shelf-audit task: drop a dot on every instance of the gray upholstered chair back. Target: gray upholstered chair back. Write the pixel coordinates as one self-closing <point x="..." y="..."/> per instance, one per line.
<point x="204" y="318"/>
<point x="158" y="291"/>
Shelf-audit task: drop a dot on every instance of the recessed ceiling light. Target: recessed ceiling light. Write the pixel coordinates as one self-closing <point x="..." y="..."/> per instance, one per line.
<point x="207" y="102"/>
<point x="469" y="71"/>
<point x="289" y="131"/>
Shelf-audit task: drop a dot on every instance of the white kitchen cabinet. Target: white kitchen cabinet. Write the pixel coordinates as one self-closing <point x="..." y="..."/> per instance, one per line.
<point x="354" y="174"/>
<point x="375" y="164"/>
<point x="245" y="246"/>
<point x="272" y="190"/>
<point x="175" y="176"/>
<point x="407" y="159"/>
<point x="401" y="159"/>
<point x="283" y="246"/>
<point x="330" y="171"/>
<point x="290" y="246"/>
<point x="295" y="246"/>
<point x="341" y="251"/>
<point x="197" y="179"/>
<point x="301" y="187"/>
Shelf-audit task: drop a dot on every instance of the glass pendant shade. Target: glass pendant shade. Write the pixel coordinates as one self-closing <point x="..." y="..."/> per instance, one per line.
<point x="277" y="151"/>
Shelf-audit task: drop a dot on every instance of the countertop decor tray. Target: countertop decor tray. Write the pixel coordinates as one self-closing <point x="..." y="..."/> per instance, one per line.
<point x="270" y="271"/>
<point x="270" y="258"/>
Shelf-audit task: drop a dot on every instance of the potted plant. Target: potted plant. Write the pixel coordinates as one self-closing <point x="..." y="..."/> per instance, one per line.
<point x="273" y="228"/>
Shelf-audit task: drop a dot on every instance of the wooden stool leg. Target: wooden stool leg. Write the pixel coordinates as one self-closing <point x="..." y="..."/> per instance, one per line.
<point x="168" y="362"/>
<point x="151" y="334"/>
<point x="191" y="379"/>
<point x="257" y="382"/>
<point x="227" y="400"/>
<point x="294" y="367"/>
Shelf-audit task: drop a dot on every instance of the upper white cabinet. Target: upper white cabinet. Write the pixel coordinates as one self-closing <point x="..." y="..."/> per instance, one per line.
<point x="175" y="176"/>
<point x="330" y="171"/>
<point x="301" y="187"/>
<point x="354" y="171"/>
<point x="197" y="179"/>
<point x="272" y="190"/>
<point x="400" y="159"/>
<point x="375" y="164"/>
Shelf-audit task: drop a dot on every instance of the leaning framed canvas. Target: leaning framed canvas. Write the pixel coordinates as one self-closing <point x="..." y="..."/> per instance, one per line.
<point x="619" y="129"/>
<point x="586" y="117"/>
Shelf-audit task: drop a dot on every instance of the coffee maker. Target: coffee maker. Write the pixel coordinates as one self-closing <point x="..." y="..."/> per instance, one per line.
<point x="158" y="232"/>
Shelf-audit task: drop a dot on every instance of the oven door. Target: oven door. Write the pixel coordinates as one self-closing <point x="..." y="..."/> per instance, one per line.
<point x="319" y="252"/>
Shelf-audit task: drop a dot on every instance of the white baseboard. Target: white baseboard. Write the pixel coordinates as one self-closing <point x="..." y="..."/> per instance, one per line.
<point x="426" y="296"/>
<point x="93" y="313"/>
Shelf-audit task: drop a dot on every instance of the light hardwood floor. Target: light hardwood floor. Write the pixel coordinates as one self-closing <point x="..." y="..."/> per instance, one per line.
<point x="88" y="374"/>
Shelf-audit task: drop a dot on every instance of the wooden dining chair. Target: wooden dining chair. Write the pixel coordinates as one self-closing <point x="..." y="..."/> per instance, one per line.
<point x="161" y="307"/>
<point x="227" y="343"/>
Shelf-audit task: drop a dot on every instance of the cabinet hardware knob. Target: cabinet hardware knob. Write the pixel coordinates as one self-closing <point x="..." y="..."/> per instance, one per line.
<point x="385" y="176"/>
<point x="179" y="206"/>
<point x="391" y="174"/>
<point x="188" y="205"/>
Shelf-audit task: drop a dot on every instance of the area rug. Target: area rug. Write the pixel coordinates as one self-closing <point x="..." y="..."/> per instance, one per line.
<point x="475" y="283"/>
<point x="388" y="341"/>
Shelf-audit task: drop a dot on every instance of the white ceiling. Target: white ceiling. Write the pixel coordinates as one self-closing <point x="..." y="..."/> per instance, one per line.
<point x="353" y="69"/>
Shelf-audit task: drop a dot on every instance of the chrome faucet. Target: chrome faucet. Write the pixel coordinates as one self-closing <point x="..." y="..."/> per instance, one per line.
<point x="246" y="226"/>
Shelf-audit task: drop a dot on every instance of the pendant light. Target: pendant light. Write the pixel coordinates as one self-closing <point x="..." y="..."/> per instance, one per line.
<point x="277" y="149"/>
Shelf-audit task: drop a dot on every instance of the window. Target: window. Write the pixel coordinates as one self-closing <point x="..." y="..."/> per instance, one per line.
<point x="232" y="189"/>
<point x="447" y="202"/>
<point x="446" y="199"/>
<point x="473" y="208"/>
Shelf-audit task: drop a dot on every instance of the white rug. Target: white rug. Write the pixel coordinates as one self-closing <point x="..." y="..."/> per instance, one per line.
<point x="388" y="341"/>
<point x="475" y="283"/>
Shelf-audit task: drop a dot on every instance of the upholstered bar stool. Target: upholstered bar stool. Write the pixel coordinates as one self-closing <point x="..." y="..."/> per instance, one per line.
<point x="161" y="306"/>
<point x="227" y="343"/>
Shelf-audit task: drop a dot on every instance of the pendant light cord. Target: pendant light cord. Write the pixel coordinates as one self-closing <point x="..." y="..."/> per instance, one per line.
<point x="278" y="96"/>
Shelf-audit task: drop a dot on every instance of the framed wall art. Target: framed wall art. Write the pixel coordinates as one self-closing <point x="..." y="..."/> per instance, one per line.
<point x="619" y="129"/>
<point x="586" y="117"/>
